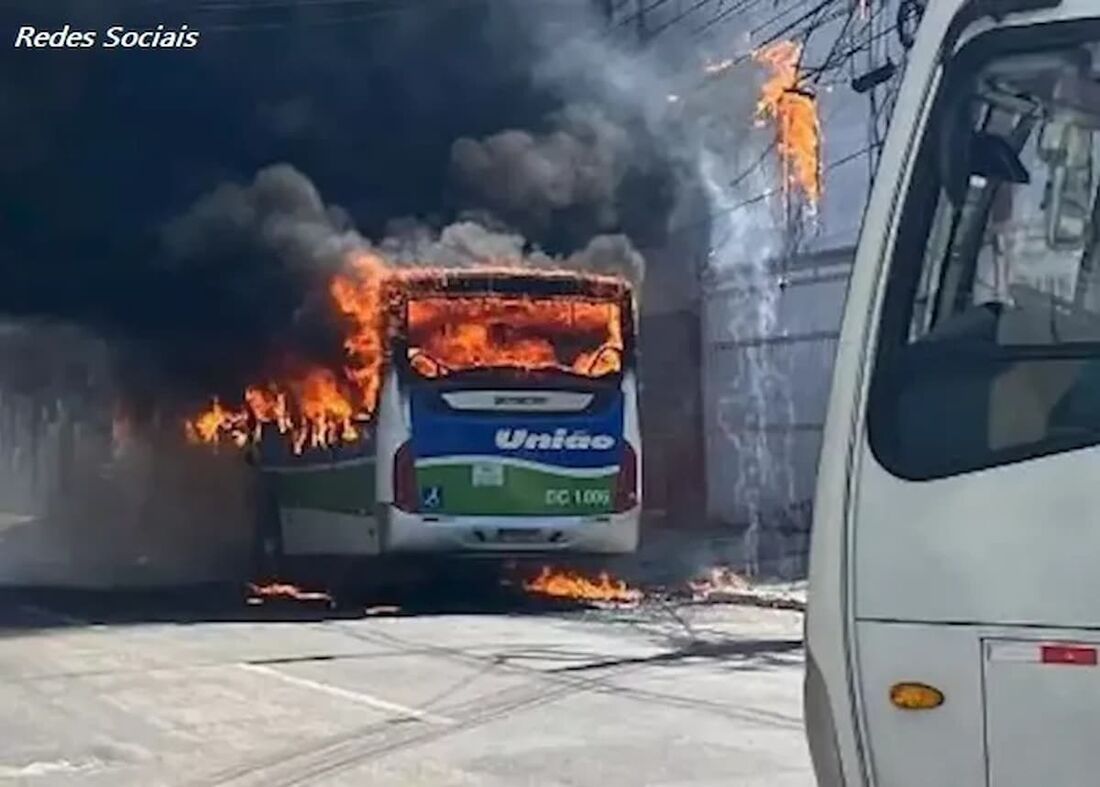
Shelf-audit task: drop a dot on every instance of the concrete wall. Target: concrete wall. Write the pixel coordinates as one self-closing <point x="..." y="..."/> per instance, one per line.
<point x="673" y="477"/>
<point x="765" y="389"/>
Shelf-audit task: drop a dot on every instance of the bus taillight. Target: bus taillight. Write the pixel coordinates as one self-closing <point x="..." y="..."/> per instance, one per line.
<point x="404" y="479"/>
<point x="626" y="483"/>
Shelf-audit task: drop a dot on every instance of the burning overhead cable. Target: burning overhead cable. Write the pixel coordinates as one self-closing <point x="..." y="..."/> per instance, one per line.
<point x="788" y="102"/>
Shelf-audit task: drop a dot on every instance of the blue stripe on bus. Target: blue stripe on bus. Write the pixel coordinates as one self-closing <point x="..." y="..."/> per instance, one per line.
<point x="564" y="440"/>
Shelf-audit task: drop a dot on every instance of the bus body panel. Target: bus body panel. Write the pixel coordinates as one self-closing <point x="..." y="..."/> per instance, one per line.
<point x="508" y="520"/>
<point x="835" y="732"/>
<point x="890" y="602"/>
<point x="993" y="547"/>
<point x="923" y="748"/>
<point x="499" y="535"/>
<point x="1009" y="719"/>
<point x="346" y="508"/>
<point x="309" y="532"/>
<point x="516" y="463"/>
<point x="324" y="503"/>
<point x="1042" y="691"/>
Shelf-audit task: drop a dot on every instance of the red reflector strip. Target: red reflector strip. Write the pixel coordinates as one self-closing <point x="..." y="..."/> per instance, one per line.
<point x="1068" y="654"/>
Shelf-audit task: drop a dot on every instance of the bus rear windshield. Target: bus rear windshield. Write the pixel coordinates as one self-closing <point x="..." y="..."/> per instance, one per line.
<point x="575" y="335"/>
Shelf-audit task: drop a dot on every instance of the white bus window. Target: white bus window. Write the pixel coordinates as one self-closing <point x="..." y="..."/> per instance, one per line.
<point x="990" y="348"/>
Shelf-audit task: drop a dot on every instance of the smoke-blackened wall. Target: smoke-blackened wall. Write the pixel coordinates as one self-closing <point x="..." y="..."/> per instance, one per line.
<point x="90" y="497"/>
<point x="131" y="201"/>
<point x="188" y="207"/>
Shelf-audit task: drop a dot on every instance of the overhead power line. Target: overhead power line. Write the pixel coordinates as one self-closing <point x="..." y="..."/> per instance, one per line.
<point x="754" y="200"/>
<point x="249" y="15"/>
<point x="684" y="14"/>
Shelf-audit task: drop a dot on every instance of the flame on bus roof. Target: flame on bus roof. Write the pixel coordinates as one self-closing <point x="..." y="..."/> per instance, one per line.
<point x="491" y="317"/>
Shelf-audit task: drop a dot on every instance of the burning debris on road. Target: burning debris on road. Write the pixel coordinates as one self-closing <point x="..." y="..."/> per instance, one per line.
<point x="572" y="585"/>
<point x="259" y="594"/>
<point x="720" y="583"/>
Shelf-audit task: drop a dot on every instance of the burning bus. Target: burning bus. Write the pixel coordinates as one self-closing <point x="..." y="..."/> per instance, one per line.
<point x="481" y="412"/>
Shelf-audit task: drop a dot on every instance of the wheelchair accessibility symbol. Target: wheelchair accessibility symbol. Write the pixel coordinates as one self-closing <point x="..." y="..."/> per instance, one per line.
<point x="431" y="497"/>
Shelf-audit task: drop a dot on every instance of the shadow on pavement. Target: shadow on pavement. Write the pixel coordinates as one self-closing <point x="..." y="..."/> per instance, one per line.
<point x="25" y="609"/>
<point x="722" y="650"/>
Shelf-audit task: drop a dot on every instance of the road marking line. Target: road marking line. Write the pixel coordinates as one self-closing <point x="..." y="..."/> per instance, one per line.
<point x="40" y="768"/>
<point x="355" y="696"/>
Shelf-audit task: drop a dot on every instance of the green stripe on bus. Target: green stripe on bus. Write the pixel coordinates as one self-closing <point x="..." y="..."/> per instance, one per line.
<point x="349" y="488"/>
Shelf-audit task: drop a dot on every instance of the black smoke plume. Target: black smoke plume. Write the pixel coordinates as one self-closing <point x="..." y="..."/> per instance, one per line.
<point x="176" y="212"/>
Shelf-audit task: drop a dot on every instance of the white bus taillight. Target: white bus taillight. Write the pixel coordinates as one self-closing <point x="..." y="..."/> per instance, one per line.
<point x="626" y="483"/>
<point x="405" y="494"/>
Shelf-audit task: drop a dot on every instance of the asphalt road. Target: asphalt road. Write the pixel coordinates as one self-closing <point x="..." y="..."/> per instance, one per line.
<point x="141" y="692"/>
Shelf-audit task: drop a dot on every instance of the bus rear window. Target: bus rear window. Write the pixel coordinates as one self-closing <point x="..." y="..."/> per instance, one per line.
<point x="575" y="335"/>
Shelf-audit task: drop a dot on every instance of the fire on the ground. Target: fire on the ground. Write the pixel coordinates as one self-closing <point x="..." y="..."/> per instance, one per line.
<point x="258" y="594"/>
<point x="720" y="582"/>
<point x="572" y="585"/>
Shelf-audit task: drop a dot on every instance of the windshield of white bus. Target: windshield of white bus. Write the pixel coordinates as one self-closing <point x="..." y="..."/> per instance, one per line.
<point x="579" y="336"/>
<point x="991" y="339"/>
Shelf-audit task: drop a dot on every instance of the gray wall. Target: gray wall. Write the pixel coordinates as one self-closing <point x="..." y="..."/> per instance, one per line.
<point x="765" y="392"/>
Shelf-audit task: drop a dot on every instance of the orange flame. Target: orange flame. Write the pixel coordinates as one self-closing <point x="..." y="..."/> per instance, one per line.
<point x="318" y="408"/>
<point x="579" y="336"/>
<point x="565" y="584"/>
<point x="787" y="101"/>
<point x="360" y="299"/>
<point x="260" y="593"/>
<point x="719" y="582"/>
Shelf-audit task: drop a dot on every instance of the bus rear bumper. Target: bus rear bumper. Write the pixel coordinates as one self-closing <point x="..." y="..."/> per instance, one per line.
<point x="600" y="534"/>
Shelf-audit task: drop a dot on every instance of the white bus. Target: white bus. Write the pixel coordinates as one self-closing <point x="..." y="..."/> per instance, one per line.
<point x="507" y="426"/>
<point x="954" y="620"/>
